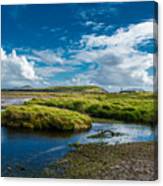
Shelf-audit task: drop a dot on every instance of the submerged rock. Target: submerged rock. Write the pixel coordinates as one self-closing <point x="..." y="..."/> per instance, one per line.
<point x="20" y="167"/>
<point x="9" y="168"/>
<point x="105" y="134"/>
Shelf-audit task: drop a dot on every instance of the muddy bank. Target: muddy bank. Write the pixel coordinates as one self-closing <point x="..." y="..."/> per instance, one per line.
<point x="134" y="161"/>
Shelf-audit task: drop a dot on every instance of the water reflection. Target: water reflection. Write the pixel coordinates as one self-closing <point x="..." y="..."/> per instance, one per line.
<point x="13" y="101"/>
<point x="33" y="150"/>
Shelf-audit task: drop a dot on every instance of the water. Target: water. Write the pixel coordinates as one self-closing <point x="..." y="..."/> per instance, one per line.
<point x="26" y="153"/>
<point x="35" y="150"/>
<point x="13" y="101"/>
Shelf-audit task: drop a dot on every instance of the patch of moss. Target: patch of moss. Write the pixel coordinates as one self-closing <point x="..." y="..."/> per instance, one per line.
<point x="43" y="117"/>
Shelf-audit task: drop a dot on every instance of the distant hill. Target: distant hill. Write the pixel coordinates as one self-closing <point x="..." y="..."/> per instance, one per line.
<point x="132" y="90"/>
<point x="82" y="89"/>
<point x="88" y="89"/>
<point x="27" y="87"/>
<point x="23" y="87"/>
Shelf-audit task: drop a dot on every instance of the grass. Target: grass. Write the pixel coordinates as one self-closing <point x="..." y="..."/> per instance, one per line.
<point x="24" y="94"/>
<point x="56" y="89"/>
<point x="85" y="89"/>
<point x="43" y="117"/>
<point x="140" y="107"/>
<point x="129" y="107"/>
<point x="51" y="91"/>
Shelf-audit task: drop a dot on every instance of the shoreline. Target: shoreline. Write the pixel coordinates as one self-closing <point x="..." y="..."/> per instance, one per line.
<point x="131" y="161"/>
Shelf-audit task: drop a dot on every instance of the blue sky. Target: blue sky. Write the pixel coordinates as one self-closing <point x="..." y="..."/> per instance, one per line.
<point x="106" y="44"/>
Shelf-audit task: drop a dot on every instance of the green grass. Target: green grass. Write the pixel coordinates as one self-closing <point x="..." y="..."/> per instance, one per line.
<point x="81" y="89"/>
<point x="128" y="107"/>
<point x="51" y="91"/>
<point x="92" y="100"/>
<point x="43" y="117"/>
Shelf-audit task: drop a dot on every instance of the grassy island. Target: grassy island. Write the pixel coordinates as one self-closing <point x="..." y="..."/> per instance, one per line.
<point x="136" y="107"/>
<point x="128" y="107"/>
<point x="43" y="117"/>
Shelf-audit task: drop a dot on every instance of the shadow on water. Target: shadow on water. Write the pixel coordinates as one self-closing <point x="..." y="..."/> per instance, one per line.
<point x="24" y="152"/>
<point x="12" y="133"/>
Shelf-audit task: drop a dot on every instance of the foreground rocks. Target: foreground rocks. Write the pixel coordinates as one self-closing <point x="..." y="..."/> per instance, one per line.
<point x="134" y="161"/>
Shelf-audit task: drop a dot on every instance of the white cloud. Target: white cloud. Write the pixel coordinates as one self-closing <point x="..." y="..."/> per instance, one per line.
<point x="95" y="25"/>
<point x="48" y="56"/>
<point x="127" y="37"/>
<point x="82" y="79"/>
<point x="16" y="70"/>
<point x="20" y="70"/>
<point x="120" y="64"/>
<point x="115" y="60"/>
<point x="48" y="70"/>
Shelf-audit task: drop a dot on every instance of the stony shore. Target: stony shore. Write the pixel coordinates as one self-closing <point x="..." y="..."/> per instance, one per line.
<point x="134" y="161"/>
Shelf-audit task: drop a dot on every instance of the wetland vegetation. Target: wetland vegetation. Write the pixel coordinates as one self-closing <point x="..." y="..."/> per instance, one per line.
<point x="139" y="107"/>
<point x="80" y="109"/>
<point x="43" y="117"/>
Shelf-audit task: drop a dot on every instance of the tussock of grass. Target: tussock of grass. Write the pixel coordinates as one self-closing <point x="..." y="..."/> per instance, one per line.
<point x="129" y="107"/>
<point x="43" y="117"/>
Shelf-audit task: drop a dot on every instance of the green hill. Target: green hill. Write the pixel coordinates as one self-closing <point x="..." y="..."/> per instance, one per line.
<point x="88" y="89"/>
<point x="64" y="89"/>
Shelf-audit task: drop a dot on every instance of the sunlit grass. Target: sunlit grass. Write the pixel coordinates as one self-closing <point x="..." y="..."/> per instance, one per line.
<point x="43" y="117"/>
<point x="129" y="107"/>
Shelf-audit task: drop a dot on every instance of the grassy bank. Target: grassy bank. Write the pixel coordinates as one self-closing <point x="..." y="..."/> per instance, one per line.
<point x="50" y="91"/>
<point x="128" y="107"/>
<point x="135" y="161"/>
<point x="136" y="107"/>
<point x="42" y="117"/>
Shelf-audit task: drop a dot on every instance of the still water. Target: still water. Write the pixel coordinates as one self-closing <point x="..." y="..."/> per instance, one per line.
<point x="26" y="153"/>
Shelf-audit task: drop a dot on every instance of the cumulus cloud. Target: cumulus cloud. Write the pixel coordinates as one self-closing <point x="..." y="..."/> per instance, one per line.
<point x="114" y="61"/>
<point x="20" y="70"/>
<point x="95" y="25"/>
<point x="120" y="63"/>
<point x="48" y="56"/>
<point x="16" y="70"/>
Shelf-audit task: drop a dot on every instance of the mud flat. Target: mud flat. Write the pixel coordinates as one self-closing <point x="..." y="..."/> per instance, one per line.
<point x="132" y="161"/>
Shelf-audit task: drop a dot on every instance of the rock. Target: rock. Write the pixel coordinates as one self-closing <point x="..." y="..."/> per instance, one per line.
<point x="105" y="134"/>
<point x="9" y="168"/>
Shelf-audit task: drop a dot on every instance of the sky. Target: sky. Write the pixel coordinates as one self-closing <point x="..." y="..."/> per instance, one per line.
<point x="111" y="45"/>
